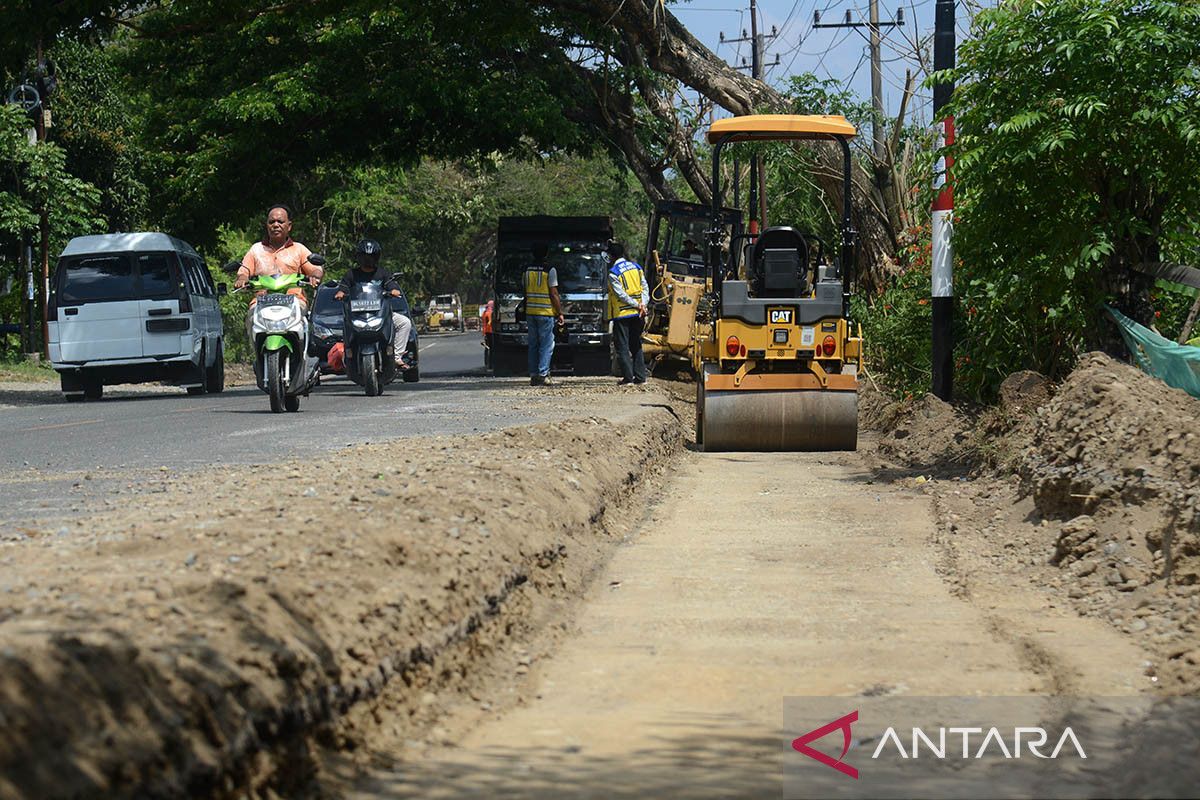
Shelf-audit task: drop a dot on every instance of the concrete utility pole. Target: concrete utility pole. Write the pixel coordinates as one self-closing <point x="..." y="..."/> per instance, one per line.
<point x="758" y="183"/>
<point x="943" y="211"/>
<point x="875" y="26"/>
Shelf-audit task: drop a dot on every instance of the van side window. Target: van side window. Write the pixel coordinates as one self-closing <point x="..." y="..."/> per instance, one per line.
<point x="194" y="284"/>
<point x="155" y="272"/>
<point x="203" y="278"/>
<point x="95" y="278"/>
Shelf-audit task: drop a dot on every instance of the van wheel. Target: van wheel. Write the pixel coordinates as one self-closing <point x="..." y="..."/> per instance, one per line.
<point x="214" y="376"/>
<point x="74" y="398"/>
<point x="93" y="389"/>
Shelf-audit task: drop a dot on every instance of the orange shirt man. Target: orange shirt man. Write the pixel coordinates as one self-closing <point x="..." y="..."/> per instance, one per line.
<point x="277" y="254"/>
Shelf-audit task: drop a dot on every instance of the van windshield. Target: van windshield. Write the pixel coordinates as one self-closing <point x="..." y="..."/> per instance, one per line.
<point x="91" y="278"/>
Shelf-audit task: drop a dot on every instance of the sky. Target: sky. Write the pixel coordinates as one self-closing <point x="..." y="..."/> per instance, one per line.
<point x="838" y="53"/>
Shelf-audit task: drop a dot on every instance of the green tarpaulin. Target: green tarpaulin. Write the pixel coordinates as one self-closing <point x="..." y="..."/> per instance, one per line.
<point x="1175" y="364"/>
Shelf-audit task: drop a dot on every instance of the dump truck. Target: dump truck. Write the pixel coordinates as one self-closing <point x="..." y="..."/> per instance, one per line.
<point x="576" y="248"/>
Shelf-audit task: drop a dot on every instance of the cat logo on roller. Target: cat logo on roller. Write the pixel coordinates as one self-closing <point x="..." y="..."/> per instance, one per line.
<point x="782" y="316"/>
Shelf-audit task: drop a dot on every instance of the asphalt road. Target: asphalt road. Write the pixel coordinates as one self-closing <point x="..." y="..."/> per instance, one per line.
<point x="58" y="460"/>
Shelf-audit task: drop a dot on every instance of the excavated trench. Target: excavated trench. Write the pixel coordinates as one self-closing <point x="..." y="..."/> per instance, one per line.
<point x="205" y="645"/>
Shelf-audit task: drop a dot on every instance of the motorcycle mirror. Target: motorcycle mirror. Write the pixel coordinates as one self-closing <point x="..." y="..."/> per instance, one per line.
<point x="316" y="259"/>
<point x="231" y="267"/>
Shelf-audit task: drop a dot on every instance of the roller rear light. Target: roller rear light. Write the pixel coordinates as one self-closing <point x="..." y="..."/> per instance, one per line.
<point x="733" y="346"/>
<point x="828" y="346"/>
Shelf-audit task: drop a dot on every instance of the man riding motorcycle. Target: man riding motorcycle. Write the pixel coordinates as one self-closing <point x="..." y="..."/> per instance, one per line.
<point x="277" y="254"/>
<point x="367" y="254"/>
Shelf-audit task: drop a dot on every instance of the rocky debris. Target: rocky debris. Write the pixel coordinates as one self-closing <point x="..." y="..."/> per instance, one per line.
<point x="175" y="645"/>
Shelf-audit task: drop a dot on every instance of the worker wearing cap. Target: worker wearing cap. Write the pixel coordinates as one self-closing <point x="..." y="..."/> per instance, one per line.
<point x="628" y="296"/>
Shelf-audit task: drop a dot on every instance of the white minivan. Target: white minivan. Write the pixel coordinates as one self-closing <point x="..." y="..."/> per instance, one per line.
<point x="134" y="308"/>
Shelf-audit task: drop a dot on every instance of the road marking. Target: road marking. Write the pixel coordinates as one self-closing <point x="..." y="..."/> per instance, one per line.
<point x="256" y="431"/>
<point x="63" y="425"/>
<point x="187" y="410"/>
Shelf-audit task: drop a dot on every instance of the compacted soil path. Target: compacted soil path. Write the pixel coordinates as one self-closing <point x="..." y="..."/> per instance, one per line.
<point x="757" y="577"/>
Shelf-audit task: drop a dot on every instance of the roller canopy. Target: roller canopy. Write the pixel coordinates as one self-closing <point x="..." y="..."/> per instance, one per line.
<point x="780" y="126"/>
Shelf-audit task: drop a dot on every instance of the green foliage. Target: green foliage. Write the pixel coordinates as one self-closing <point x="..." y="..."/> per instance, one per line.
<point x="897" y="323"/>
<point x="244" y="101"/>
<point x="1078" y="155"/>
<point x="34" y="177"/>
<point x="96" y="126"/>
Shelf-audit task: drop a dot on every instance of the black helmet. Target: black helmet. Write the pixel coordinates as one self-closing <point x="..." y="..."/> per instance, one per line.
<point x="367" y="250"/>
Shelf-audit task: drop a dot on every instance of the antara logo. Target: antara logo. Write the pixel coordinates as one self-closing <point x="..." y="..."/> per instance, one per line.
<point x="993" y="741"/>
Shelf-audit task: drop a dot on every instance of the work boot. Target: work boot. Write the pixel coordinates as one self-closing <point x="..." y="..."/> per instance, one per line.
<point x="537" y="380"/>
<point x="546" y="381"/>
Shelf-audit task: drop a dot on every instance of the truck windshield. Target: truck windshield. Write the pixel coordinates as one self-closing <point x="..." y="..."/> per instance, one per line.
<point x="580" y="266"/>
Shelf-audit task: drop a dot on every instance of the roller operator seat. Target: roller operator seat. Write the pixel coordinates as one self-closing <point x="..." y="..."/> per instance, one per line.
<point x="780" y="259"/>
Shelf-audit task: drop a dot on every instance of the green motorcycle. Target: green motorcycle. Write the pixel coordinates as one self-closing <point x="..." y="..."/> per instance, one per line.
<point x="278" y="331"/>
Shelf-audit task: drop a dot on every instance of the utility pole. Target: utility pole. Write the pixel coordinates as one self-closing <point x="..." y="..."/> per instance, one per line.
<point x="875" y="26"/>
<point x="42" y="120"/>
<point x="943" y="210"/>
<point x="758" y="183"/>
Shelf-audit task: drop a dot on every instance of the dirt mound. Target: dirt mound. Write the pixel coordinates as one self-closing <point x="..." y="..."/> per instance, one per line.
<point x="1090" y="489"/>
<point x="195" y="645"/>
<point x="1114" y="438"/>
<point x="925" y="434"/>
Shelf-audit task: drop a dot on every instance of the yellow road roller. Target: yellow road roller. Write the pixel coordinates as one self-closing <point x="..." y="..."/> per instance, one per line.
<point x="777" y="362"/>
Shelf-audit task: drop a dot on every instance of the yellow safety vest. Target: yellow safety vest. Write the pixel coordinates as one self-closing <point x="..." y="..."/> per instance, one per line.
<point x="537" y="293"/>
<point x="631" y="281"/>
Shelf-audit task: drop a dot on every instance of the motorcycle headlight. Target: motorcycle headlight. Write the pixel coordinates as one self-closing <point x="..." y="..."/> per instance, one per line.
<point x="277" y="324"/>
<point x="322" y="331"/>
<point x="275" y="313"/>
<point x="372" y="324"/>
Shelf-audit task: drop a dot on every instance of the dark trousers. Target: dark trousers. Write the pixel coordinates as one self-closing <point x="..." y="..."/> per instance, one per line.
<point x="627" y="338"/>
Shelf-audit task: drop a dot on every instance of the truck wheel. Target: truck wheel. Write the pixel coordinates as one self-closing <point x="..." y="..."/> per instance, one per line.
<point x="93" y="389"/>
<point x="506" y="363"/>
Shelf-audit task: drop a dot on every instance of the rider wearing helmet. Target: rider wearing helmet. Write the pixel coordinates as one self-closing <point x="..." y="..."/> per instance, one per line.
<point x="367" y="254"/>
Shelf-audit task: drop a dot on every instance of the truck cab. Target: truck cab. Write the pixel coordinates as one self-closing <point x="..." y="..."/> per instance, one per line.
<point x="576" y="248"/>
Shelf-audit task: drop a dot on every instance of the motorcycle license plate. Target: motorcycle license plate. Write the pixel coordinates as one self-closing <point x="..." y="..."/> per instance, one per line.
<point x="273" y="299"/>
<point x="365" y="305"/>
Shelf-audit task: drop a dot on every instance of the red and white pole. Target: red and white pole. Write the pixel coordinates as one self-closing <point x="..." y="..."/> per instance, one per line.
<point x="943" y="211"/>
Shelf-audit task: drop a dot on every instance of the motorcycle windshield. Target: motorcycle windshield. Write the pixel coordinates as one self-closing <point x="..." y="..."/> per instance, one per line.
<point x="366" y="298"/>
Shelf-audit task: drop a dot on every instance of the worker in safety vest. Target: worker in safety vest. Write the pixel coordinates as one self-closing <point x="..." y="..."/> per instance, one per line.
<point x="542" y="309"/>
<point x="628" y="295"/>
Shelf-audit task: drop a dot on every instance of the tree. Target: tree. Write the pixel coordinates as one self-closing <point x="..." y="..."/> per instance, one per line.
<point x="1078" y="158"/>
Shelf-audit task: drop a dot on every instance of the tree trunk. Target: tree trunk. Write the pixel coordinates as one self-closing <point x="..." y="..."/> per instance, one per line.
<point x="671" y="49"/>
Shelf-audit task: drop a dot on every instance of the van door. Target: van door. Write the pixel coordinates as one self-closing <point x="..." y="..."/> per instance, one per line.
<point x="165" y="331"/>
<point x="98" y="313"/>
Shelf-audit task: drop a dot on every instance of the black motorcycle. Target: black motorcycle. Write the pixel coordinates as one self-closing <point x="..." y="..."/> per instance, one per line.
<point x="369" y="335"/>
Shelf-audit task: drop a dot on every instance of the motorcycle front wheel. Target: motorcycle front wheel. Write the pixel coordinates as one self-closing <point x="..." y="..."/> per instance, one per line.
<point x="372" y="385"/>
<point x="276" y="391"/>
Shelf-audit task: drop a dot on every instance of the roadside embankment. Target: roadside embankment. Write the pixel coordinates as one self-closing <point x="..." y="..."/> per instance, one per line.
<point x="1089" y="489"/>
<point x="201" y="642"/>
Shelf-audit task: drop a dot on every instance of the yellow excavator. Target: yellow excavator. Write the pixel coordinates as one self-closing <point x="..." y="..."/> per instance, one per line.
<point x="777" y="361"/>
<point x="675" y="267"/>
